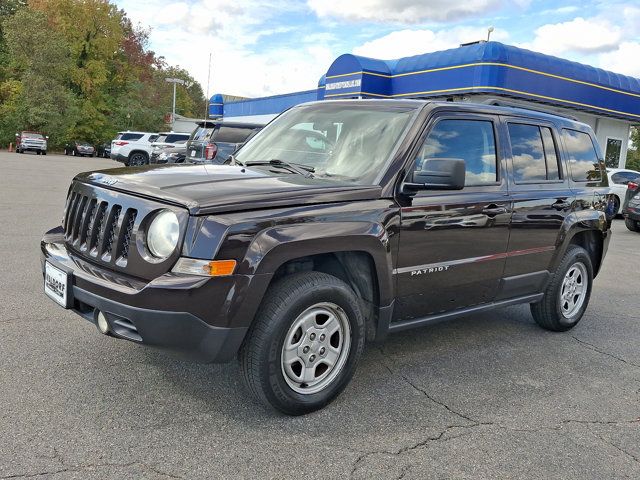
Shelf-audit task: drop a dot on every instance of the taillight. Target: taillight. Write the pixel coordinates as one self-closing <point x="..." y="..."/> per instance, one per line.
<point x="120" y="144"/>
<point x="210" y="151"/>
<point x="632" y="185"/>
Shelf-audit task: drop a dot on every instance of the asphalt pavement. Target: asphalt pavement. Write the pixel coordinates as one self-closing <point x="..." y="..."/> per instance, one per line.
<point x="486" y="396"/>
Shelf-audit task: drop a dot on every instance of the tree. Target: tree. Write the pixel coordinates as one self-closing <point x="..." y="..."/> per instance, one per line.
<point x="633" y="153"/>
<point x="37" y="96"/>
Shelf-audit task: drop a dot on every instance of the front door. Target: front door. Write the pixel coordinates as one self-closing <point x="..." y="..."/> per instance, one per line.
<point x="453" y="244"/>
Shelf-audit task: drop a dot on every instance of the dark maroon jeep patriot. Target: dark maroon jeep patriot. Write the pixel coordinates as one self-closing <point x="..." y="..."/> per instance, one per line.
<point x="340" y="222"/>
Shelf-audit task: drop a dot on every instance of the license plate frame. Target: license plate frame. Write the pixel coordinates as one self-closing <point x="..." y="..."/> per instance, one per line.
<point x="57" y="285"/>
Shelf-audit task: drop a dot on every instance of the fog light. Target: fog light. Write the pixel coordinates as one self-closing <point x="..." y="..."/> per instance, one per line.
<point x="103" y="324"/>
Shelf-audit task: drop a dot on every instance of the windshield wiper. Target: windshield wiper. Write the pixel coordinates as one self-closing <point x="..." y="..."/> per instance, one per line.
<point x="300" y="169"/>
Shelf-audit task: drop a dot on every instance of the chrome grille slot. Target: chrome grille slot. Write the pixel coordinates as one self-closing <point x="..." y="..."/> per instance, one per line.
<point x="97" y="228"/>
<point x="128" y="223"/>
<point x="110" y="232"/>
<point x="87" y="223"/>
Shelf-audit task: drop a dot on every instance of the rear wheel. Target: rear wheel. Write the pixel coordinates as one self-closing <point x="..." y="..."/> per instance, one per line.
<point x="305" y="343"/>
<point x="567" y="295"/>
<point x="137" y="159"/>
<point x="632" y="225"/>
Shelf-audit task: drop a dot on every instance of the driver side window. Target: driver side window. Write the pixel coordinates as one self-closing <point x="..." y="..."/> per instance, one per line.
<point x="470" y="140"/>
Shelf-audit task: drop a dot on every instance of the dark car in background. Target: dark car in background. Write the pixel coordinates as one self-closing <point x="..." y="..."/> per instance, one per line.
<point x="215" y="141"/>
<point x="631" y="207"/>
<point x="170" y="154"/>
<point x="82" y="149"/>
<point x="103" y="150"/>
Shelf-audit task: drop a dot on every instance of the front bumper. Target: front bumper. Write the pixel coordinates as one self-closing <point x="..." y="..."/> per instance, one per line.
<point x="118" y="157"/>
<point x="166" y="313"/>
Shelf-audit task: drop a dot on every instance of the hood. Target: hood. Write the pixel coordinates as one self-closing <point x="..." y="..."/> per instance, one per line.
<point x="205" y="189"/>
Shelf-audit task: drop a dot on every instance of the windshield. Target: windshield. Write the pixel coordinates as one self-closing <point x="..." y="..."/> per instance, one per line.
<point x="351" y="142"/>
<point x="32" y="135"/>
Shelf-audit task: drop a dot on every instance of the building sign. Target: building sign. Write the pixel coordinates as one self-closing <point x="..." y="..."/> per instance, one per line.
<point x="345" y="84"/>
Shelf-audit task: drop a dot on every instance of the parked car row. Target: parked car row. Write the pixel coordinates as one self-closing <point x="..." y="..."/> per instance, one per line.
<point x="210" y="142"/>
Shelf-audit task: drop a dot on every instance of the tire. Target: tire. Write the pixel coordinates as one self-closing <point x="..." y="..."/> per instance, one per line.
<point x="632" y="225"/>
<point x="137" y="159"/>
<point x="44" y="152"/>
<point x="559" y="315"/>
<point x="291" y="306"/>
<point x="616" y="206"/>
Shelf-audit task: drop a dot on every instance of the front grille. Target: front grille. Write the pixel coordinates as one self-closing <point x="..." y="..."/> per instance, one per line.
<point x="99" y="229"/>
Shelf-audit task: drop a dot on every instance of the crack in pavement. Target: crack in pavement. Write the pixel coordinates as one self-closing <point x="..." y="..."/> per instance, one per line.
<point x="617" y="447"/>
<point x="409" y="448"/>
<point x="602" y="352"/>
<point x="81" y="468"/>
<point x="421" y="390"/>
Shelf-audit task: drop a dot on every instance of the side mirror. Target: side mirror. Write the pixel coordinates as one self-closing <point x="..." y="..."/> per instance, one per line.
<point x="439" y="174"/>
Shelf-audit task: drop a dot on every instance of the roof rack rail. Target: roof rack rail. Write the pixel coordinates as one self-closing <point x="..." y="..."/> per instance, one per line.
<point x="498" y="102"/>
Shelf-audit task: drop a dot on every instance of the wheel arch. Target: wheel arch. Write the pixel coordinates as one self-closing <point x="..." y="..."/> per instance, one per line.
<point x="587" y="229"/>
<point x="358" y="253"/>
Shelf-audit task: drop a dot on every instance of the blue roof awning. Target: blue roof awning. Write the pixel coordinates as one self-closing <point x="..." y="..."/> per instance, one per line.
<point x="488" y="67"/>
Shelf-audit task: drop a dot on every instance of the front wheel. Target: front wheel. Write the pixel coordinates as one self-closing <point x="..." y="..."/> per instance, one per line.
<point x="632" y="225"/>
<point x="305" y="343"/>
<point x="567" y="295"/>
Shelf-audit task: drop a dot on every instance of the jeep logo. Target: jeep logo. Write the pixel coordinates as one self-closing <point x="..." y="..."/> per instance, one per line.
<point x="424" y="271"/>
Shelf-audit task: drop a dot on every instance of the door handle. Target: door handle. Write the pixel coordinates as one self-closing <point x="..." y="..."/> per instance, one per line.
<point x="561" y="205"/>
<point x="493" y="210"/>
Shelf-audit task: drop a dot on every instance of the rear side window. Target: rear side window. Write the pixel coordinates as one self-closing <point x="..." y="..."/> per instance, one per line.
<point x="470" y="140"/>
<point x="534" y="153"/>
<point x="175" y="138"/>
<point x="201" y="134"/>
<point x="583" y="158"/>
<point x="622" y="178"/>
<point x="129" y="136"/>
<point x="232" y="134"/>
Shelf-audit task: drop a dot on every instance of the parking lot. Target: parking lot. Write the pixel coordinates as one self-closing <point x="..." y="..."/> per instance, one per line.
<point x="486" y="396"/>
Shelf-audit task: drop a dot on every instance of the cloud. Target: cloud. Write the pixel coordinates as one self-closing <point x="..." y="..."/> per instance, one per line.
<point x="580" y="35"/>
<point x="402" y="11"/>
<point x="625" y="59"/>
<point x="404" y="43"/>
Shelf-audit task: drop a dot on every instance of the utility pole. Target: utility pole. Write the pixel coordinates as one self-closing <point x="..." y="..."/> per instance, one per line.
<point x="175" y="81"/>
<point x="206" y="103"/>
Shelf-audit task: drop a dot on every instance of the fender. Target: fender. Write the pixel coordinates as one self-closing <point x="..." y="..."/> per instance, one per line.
<point x="274" y="246"/>
<point x="575" y="223"/>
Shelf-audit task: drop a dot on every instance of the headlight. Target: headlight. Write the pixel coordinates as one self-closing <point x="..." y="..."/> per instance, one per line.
<point x="163" y="233"/>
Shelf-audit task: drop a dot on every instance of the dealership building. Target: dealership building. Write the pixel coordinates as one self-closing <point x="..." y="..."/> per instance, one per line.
<point x="484" y="72"/>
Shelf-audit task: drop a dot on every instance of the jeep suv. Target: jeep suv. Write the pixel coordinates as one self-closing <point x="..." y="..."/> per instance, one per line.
<point x="132" y="148"/>
<point x="395" y="214"/>
<point x="31" y="141"/>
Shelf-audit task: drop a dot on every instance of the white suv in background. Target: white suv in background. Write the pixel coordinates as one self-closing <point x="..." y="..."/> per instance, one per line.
<point x="132" y="148"/>
<point x="618" y="180"/>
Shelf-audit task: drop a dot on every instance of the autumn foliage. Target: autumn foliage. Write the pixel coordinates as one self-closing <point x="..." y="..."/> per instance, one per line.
<point x="81" y="70"/>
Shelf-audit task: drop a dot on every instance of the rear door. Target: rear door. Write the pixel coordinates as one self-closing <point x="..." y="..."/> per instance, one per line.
<point x="452" y="244"/>
<point x="542" y="199"/>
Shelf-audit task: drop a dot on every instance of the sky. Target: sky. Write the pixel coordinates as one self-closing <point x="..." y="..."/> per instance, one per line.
<point x="267" y="47"/>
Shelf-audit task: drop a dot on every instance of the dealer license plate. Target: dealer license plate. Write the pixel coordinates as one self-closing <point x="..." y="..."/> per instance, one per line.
<point x="56" y="284"/>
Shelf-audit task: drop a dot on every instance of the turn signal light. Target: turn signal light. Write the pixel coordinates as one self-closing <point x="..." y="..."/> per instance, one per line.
<point x="120" y="144"/>
<point x="632" y="185"/>
<point x="205" y="268"/>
